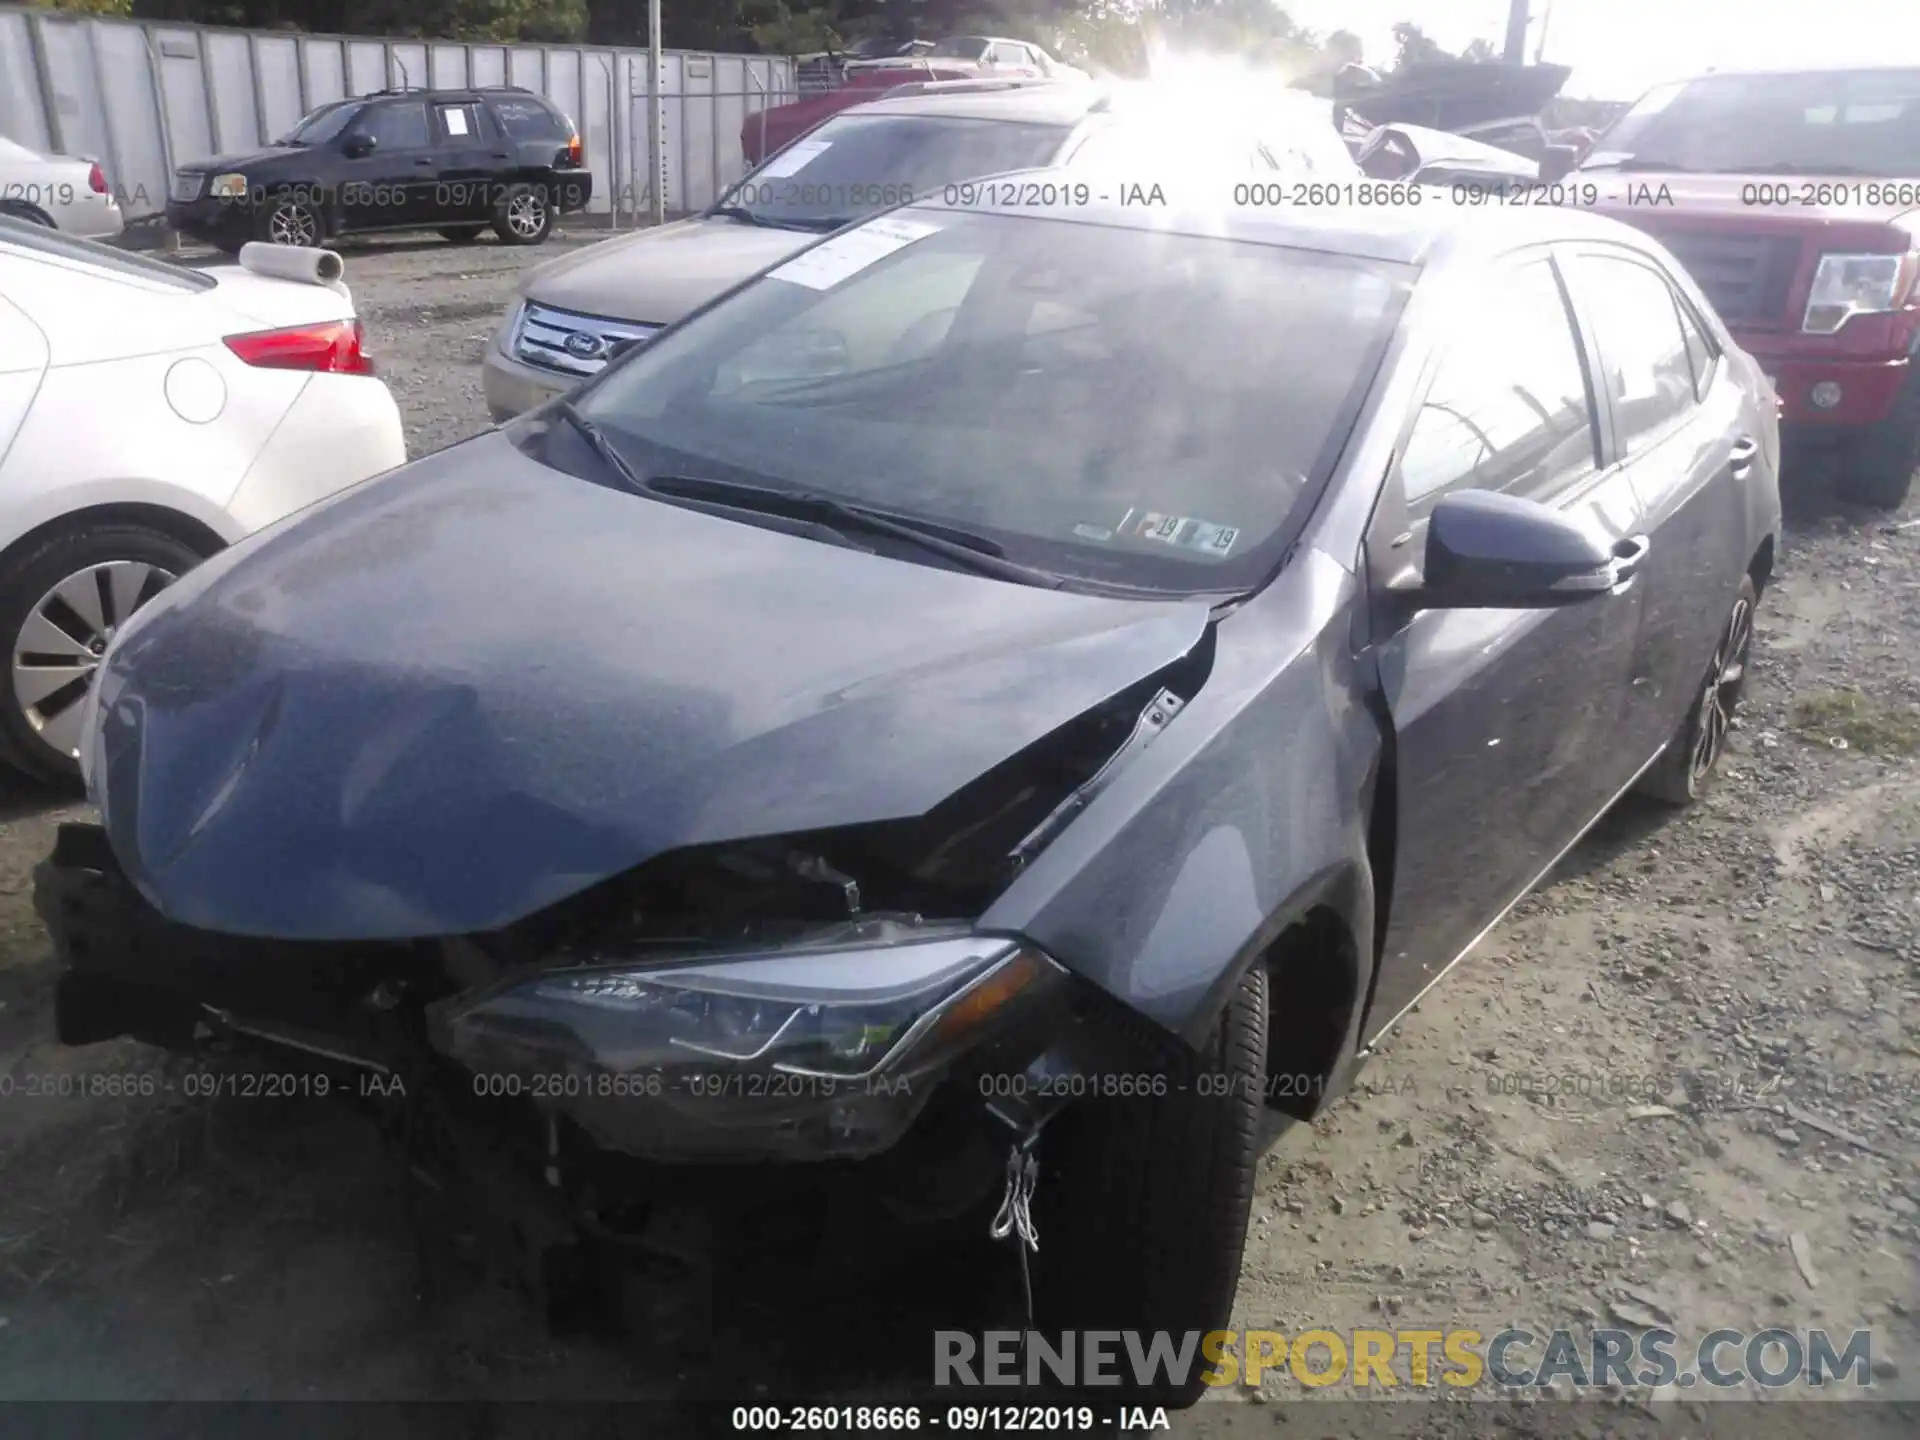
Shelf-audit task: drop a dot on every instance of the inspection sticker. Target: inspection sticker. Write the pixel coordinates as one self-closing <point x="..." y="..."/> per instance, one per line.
<point x="795" y="157"/>
<point x="1181" y="530"/>
<point x="831" y="261"/>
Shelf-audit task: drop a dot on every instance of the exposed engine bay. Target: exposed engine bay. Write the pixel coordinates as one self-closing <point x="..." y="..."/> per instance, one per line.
<point x="601" y="1071"/>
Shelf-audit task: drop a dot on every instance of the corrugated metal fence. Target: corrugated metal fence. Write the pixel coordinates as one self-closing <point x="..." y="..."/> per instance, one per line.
<point x="145" y="96"/>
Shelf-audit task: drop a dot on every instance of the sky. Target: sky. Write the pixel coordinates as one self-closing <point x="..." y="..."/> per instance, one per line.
<point x="1618" y="48"/>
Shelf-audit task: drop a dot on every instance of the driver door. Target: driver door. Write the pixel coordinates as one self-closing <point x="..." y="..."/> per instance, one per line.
<point x="394" y="185"/>
<point x="1506" y="722"/>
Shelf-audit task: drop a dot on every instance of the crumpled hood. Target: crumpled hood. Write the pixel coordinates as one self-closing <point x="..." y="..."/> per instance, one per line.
<point x="654" y="277"/>
<point x="458" y="693"/>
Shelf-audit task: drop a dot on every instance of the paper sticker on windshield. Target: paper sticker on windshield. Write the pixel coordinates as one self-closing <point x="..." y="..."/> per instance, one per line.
<point x="795" y="157"/>
<point x="454" y="119"/>
<point x="1181" y="530"/>
<point x="830" y="262"/>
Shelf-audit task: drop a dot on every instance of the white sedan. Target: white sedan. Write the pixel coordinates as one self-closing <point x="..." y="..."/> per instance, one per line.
<point x="150" y="415"/>
<point x="62" y="192"/>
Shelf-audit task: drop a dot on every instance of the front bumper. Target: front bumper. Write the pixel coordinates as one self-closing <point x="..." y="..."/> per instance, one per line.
<point x="513" y="388"/>
<point x="214" y="221"/>
<point x="502" y="1047"/>
<point x="1867" y="390"/>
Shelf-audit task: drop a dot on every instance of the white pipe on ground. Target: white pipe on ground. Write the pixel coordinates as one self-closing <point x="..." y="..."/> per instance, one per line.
<point x="303" y="263"/>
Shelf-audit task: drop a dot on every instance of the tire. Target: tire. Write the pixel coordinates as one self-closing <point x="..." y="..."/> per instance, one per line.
<point x="1877" y="469"/>
<point x="280" y="221"/>
<point x="461" y="234"/>
<point x="524" y="216"/>
<point x="1142" y="1204"/>
<point x="1685" y="769"/>
<point x="52" y="646"/>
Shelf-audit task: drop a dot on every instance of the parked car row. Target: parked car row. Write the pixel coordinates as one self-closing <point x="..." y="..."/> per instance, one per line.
<point x="975" y="616"/>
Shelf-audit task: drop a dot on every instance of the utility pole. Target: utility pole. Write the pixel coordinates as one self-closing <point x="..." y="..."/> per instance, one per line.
<point x="656" y="117"/>
<point x="1540" y="44"/>
<point x="1516" y="48"/>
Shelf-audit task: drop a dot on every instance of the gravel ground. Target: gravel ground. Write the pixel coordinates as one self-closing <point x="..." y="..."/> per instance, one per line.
<point x="1680" y="1084"/>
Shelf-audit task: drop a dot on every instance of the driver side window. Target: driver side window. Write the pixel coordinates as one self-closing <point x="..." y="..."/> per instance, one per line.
<point x="1508" y="407"/>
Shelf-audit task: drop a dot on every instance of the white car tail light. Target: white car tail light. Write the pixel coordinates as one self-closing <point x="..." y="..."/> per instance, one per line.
<point x="335" y="347"/>
<point x="97" y="179"/>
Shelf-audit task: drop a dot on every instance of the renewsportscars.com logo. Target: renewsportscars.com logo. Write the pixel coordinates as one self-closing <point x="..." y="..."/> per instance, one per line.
<point x="1412" y="1359"/>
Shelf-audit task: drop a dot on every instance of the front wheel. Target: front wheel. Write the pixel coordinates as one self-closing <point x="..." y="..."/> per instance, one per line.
<point x="1142" y="1207"/>
<point x="1877" y="469"/>
<point x="523" y="216"/>
<point x="290" y="222"/>
<point x="60" y="608"/>
<point x="1681" y="775"/>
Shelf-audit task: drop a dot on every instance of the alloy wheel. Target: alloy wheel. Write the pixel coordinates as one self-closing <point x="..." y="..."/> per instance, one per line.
<point x="1725" y="680"/>
<point x="526" y="214"/>
<point x="65" y="634"/>
<point x="292" y="224"/>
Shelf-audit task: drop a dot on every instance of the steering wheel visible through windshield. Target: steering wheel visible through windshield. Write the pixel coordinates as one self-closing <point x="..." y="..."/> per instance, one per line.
<point x="854" y="165"/>
<point x="1113" y="405"/>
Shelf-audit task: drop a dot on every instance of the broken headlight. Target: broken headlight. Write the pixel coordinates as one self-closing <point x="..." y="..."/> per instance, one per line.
<point x="819" y="1050"/>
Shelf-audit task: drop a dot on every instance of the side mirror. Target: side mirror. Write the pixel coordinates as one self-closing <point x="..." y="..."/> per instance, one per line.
<point x="1488" y="551"/>
<point x="1557" y="162"/>
<point x="358" y="146"/>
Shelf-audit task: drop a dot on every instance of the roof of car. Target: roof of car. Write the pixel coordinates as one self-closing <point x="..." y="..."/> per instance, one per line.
<point x="1409" y="234"/>
<point x="1047" y="103"/>
<point x="1051" y="102"/>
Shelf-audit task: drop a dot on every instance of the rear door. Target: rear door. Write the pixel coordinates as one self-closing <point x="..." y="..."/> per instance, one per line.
<point x="23" y="359"/>
<point x="475" y="162"/>
<point x="1506" y="722"/>
<point x="1677" y="414"/>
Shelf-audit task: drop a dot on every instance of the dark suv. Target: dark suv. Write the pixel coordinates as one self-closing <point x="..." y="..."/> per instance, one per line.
<point x="455" y="161"/>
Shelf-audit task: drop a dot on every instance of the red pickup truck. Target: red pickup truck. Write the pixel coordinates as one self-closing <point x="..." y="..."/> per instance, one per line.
<point x="1793" y="198"/>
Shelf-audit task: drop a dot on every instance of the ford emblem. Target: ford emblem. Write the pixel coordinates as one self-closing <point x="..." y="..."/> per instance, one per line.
<point x="583" y="346"/>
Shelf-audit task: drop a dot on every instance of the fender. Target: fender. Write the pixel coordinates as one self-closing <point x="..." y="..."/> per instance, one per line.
<point x="1246" y="813"/>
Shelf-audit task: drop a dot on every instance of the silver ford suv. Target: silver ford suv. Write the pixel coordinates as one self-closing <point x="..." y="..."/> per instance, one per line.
<point x="572" y="312"/>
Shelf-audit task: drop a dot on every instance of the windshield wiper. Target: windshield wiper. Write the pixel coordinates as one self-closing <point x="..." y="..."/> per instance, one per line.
<point x="597" y="440"/>
<point x="767" y="222"/>
<point x="1637" y="162"/>
<point x="975" y="552"/>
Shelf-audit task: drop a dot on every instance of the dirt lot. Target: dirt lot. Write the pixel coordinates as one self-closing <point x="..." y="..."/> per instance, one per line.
<point x="1681" y="1084"/>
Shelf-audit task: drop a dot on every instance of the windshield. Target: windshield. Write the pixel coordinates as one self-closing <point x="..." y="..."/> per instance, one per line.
<point x="961" y="47"/>
<point x="323" y="124"/>
<point x="1112" y="405"/>
<point x="1845" y="122"/>
<point x="856" y="164"/>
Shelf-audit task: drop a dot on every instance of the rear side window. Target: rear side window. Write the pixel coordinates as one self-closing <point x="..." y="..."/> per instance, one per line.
<point x="1643" y="350"/>
<point x="401" y="125"/>
<point x="525" y="118"/>
<point x="1508" y="408"/>
<point x="1701" y="351"/>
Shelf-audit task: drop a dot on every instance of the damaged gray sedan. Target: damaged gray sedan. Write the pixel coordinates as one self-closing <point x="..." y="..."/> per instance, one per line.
<point x="968" y="719"/>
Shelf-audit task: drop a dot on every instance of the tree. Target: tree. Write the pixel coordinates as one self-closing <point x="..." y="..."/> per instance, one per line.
<point x="1415" y="46"/>
<point x="1480" y="52"/>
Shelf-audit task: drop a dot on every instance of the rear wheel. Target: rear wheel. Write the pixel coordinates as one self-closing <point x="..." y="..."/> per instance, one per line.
<point x="461" y="234"/>
<point x="1681" y="775"/>
<point x="1142" y="1210"/>
<point x="59" y="609"/>
<point x="1877" y="469"/>
<point x="523" y="216"/>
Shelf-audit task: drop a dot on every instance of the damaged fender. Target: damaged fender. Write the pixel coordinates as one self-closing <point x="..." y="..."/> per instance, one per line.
<point x="1248" y="811"/>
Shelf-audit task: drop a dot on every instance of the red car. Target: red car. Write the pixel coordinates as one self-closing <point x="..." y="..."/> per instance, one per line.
<point x="1794" y="200"/>
<point x="775" y="128"/>
<point x="959" y="57"/>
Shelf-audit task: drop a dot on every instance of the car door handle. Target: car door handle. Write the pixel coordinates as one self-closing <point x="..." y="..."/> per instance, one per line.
<point x="427" y="162"/>
<point x="1740" y="457"/>
<point x="1628" y="557"/>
